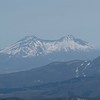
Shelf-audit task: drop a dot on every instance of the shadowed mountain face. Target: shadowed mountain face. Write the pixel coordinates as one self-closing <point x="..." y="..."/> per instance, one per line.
<point x="32" y="52"/>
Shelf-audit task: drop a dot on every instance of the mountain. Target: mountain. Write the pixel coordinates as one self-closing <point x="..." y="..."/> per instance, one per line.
<point x="53" y="72"/>
<point x="57" y="71"/>
<point x="31" y="52"/>
<point x="33" y="46"/>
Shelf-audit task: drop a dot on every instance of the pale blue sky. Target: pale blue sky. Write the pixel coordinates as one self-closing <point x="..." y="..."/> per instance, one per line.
<point x="49" y="19"/>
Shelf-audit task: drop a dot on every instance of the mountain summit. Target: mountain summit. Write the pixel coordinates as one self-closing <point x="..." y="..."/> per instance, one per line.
<point x="31" y="46"/>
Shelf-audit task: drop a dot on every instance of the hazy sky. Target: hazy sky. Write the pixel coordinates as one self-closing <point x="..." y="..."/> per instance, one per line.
<point x="49" y="19"/>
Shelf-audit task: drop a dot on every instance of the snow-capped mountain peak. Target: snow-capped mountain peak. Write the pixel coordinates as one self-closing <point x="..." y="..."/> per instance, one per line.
<point x="31" y="46"/>
<point x="67" y="37"/>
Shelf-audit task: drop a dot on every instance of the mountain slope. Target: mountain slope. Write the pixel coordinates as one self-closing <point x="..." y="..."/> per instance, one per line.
<point x="83" y="87"/>
<point x="57" y="71"/>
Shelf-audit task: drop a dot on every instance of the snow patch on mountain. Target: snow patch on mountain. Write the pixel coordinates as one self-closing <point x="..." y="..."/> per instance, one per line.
<point x="81" y="70"/>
